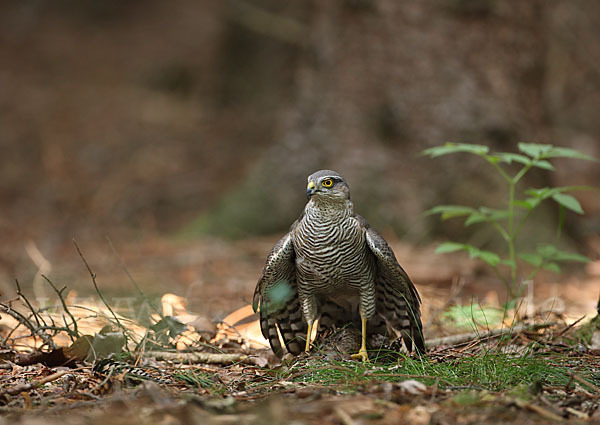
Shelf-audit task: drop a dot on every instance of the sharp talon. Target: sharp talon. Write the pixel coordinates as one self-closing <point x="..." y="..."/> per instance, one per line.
<point x="362" y="355"/>
<point x="309" y="333"/>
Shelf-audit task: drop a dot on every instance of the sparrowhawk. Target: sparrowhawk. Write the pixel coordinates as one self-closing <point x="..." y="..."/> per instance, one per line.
<point x="332" y="266"/>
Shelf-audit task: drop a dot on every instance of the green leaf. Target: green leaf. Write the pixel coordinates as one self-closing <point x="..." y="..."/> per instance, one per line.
<point x="510" y="157"/>
<point x="568" y="201"/>
<point x="487" y="215"/>
<point x="547" y="251"/>
<point x="447" y="247"/>
<point x="475" y="217"/>
<point x="534" y="150"/>
<point x="450" y="147"/>
<point x="558" y="152"/>
<point x="541" y="193"/>
<point x="529" y="203"/>
<point x="450" y="211"/>
<point x="540" y="151"/>
<point x="531" y="258"/>
<point x="571" y="256"/>
<point x="540" y="163"/>
<point x="489" y="257"/>
<point x="509" y="263"/>
<point x="494" y="214"/>
<point x="522" y="159"/>
<point x="557" y="193"/>
<point x="538" y="260"/>
<point x="553" y="267"/>
<point x="550" y="252"/>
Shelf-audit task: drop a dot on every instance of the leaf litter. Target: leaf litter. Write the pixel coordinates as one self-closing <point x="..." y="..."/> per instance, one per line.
<point x="87" y="364"/>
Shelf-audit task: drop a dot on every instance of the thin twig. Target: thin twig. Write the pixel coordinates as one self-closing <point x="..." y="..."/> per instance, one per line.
<point x="561" y="333"/>
<point x="25" y="322"/>
<point x="38" y="319"/>
<point x="73" y="334"/>
<point x="133" y="281"/>
<point x="464" y="338"/>
<point x="93" y="276"/>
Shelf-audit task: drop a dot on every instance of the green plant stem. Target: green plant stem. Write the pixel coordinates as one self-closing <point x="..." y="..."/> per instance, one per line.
<point x="498" y="168"/>
<point x="501" y="230"/>
<point x="514" y="234"/>
<point x="522" y="222"/>
<point x="511" y="238"/>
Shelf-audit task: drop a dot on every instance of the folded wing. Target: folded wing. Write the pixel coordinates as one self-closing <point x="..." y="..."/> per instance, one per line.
<point x="276" y="296"/>
<point x="397" y="299"/>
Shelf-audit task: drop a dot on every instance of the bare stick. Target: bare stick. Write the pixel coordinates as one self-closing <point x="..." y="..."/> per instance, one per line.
<point x="464" y="338"/>
<point x="93" y="276"/>
<point x="32" y="385"/>
<point x="72" y="333"/>
<point x="25" y="322"/>
<point x="38" y="319"/>
<point x="565" y="330"/>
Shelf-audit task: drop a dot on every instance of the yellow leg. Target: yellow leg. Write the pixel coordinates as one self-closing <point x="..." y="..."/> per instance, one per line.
<point x="362" y="353"/>
<point x="308" y="335"/>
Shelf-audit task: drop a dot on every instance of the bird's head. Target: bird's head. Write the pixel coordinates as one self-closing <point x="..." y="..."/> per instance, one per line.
<point x="327" y="185"/>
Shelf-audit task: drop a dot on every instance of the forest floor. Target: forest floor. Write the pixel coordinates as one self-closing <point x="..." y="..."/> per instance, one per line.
<point x="537" y="364"/>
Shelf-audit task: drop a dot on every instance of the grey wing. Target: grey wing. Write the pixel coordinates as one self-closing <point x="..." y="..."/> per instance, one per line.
<point x="276" y="295"/>
<point x="397" y="298"/>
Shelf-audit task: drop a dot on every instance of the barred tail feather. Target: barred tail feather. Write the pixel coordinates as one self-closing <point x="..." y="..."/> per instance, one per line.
<point x="268" y="327"/>
<point x="285" y="324"/>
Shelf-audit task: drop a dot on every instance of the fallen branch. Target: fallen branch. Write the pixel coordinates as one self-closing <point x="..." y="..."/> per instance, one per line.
<point x="207" y="358"/>
<point x="35" y="384"/>
<point x="493" y="333"/>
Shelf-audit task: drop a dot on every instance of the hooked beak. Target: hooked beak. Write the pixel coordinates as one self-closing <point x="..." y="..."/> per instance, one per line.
<point x="310" y="189"/>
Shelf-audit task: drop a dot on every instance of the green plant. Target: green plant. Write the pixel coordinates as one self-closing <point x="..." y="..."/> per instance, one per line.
<point x="472" y="317"/>
<point x="509" y="221"/>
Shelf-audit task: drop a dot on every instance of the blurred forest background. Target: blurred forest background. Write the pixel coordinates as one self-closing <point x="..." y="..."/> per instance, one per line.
<point x="147" y="119"/>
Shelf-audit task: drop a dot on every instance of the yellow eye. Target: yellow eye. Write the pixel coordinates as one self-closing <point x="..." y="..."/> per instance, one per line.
<point x="327" y="183"/>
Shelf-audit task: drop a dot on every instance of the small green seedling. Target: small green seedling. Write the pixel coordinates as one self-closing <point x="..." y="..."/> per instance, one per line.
<point x="509" y="222"/>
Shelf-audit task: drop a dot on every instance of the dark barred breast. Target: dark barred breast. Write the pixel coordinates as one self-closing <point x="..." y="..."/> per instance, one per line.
<point x="331" y="254"/>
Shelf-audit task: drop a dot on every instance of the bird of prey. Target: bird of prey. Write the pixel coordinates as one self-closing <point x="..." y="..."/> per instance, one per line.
<point x="333" y="267"/>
